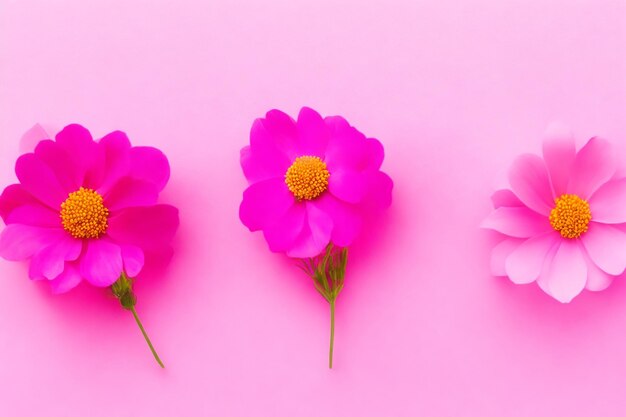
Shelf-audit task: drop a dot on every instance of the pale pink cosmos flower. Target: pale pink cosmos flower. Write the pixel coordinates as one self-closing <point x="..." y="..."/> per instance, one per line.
<point x="563" y="219"/>
<point x="87" y="210"/>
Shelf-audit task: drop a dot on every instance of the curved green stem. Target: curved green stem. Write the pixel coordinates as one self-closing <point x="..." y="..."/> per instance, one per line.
<point x="145" y="336"/>
<point x="332" y="333"/>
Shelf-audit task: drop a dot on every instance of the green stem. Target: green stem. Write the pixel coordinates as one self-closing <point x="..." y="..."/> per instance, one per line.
<point x="145" y="336"/>
<point x="332" y="332"/>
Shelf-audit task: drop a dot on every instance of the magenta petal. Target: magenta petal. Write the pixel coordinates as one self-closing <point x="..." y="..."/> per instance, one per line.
<point x="606" y="246"/>
<point x="19" y="242"/>
<point x="281" y="235"/>
<point x="597" y="279"/>
<point x="267" y="156"/>
<point x="150" y="228"/>
<point x="595" y="164"/>
<point x="530" y="183"/>
<point x="315" y="235"/>
<point x="379" y="188"/>
<point x="349" y="186"/>
<point x="312" y="133"/>
<point x="517" y="222"/>
<point x="101" y="264"/>
<point x="149" y="164"/>
<point x="83" y="154"/>
<point x="608" y="203"/>
<point x="64" y="169"/>
<point x="254" y="170"/>
<point x="525" y="263"/>
<point x="347" y="149"/>
<point x="375" y="153"/>
<point x="133" y="258"/>
<point x="281" y="133"/>
<point x="34" y="215"/>
<point x="69" y="278"/>
<point x="347" y="220"/>
<point x="12" y="197"/>
<point x="505" y="198"/>
<point x="499" y="254"/>
<point x="50" y="261"/>
<point x="116" y="150"/>
<point x="264" y="203"/>
<point x="39" y="180"/>
<point x="130" y="192"/>
<point x="559" y="153"/>
<point x="567" y="273"/>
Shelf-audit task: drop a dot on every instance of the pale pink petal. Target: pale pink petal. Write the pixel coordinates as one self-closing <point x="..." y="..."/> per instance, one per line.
<point x="69" y="278"/>
<point x="150" y="228"/>
<point x="131" y="192"/>
<point x="281" y="234"/>
<point x="116" y="150"/>
<point x="19" y="242"/>
<point x="315" y="235"/>
<point x="595" y="164"/>
<point x="499" y="254"/>
<point x="608" y="203"/>
<point x="530" y="183"/>
<point x="83" y="153"/>
<point x="542" y="280"/>
<point x="312" y="133"/>
<point x="567" y="273"/>
<point x="32" y="137"/>
<point x="101" y="263"/>
<point x="597" y="279"/>
<point x="559" y="153"/>
<point x="50" y="261"/>
<point x="150" y="165"/>
<point x="517" y="222"/>
<point x="264" y="203"/>
<point x="39" y="180"/>
<point x="505" y="198"/>
<point x="133" y="258"/>
<point x="525" y="263"/>
<point x="606" y="246"/>
<point x="349" y="186"/>
<point x="347" y="220"/>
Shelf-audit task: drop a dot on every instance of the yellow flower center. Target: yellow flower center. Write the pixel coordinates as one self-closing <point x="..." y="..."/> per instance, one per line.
<point x="83" y="214"/>
<point x="571" y="216"/>
<point x="307" y="177"/>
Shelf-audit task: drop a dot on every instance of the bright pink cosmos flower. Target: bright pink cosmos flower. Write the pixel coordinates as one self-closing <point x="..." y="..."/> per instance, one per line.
<point x="87" y="210"/>
<point x="563" y="218"/>
<point x="313" y="184"/>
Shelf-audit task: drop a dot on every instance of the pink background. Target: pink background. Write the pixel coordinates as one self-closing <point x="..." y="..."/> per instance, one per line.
<point x="453" y="89"/>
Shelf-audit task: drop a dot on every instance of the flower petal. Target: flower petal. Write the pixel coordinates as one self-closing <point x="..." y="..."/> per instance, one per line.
<point x="149" y="164"/>
<point x="18" y="206"/>
<point x="349" y="186"/>
<point x="101" y="264"/>
<point x="150" y="228"/>
<point x="606" y="246"/>
<point x="595" y="164"/>
<point x="567" y="273"/>
<point x="266" y="156"/>
<point x="525" y="263"/>
<point x="49" y="263"/>
<point x="559" y="153"/>
<point x="69" y="278"/>
<point x="315" y="235"/>
<point x="378" y="195"/>
<point x="281" y="234"/>
<point x="312" y="133"/>
<point x="39" y="180"/>
<point x="282" y="134"/>
<point x="19" y="242"/>
<point x="264" y="203"/>
<point x="530" y="183"/>
<point x="347" y="148"/>
<point x="597" y="279"/>
<point x="133" y="258"/>
<point x="499" y="254"/>
<point x="517" y="222"/>
<point x="64" y="169"/>
<point x="505" y="198"/>
<point x="131" y="192"/>
<point x="83" y="153"/>
<point x="116" y="150"/>
<point x="608" y="203"/>
<point x="347" y="221"/>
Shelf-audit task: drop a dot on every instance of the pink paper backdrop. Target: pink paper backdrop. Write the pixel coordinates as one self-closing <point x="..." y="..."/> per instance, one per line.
<point x="453" y="89"/>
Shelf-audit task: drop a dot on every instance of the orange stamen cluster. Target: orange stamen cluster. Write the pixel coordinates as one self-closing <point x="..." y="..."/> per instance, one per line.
<point x="84" y="215"/>
<point x="571" y="216"/>
<point x="307" y="177"/>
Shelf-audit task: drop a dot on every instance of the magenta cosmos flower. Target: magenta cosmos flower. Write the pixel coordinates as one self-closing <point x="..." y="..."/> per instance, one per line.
<point x="86" y="210"/>
<point x="563" y="218"/>
<point x="313" y="184"/>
